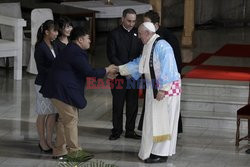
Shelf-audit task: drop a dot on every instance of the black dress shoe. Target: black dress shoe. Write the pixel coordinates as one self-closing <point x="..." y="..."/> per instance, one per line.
<point x="45" y="151"/>
<point x="132" y="135"/>
<point x="156" y="159"/>
<point x="60" y="157"/>
<point x="114" y="137"/>
<point x="156" y="156"/>
<point x="248" y="151"/>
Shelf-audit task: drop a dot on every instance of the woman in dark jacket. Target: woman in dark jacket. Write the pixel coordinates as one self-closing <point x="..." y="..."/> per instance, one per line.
<point x="45" y="53"/>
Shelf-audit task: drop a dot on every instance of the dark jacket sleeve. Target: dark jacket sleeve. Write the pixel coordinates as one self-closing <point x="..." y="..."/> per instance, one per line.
<point x="80" y="64"/>
<point x="173" y="41"/>
<point x="111" y="50"/>
<point x="177" y="51"/>
<point x="40" y="60"/>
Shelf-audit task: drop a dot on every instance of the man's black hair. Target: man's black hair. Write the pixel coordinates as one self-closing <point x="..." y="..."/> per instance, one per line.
<point x="77" y="32"/>
<point x="153" y="16"/>
<point x="128" y="11"/>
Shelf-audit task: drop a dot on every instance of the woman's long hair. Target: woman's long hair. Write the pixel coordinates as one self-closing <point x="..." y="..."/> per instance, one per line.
<point x="47" y="25"/>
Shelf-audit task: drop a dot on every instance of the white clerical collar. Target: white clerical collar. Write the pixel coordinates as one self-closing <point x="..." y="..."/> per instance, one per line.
<point x="126" y="28"/>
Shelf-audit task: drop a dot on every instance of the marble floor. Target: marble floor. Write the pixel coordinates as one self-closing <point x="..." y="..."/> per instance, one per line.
<point x="196" y="147"/>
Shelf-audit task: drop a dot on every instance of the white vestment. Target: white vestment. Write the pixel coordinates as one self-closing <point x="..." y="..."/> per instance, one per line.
<point x="159" y="133"/>
<point x="170" y="104"/>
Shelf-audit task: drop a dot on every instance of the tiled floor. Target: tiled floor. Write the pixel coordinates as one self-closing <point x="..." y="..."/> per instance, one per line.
<point x="197" y="147"/>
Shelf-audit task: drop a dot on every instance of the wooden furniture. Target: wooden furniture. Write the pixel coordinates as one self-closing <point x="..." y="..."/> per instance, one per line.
<point x="14" y="49"/>
<point x="243" y="113"/>
<point x="63" y="10"/>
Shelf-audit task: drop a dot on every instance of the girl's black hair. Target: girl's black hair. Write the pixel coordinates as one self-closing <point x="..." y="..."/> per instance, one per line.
<point x="62" y="23"/>
<point x="77" y="32"/>
<point x="47" y="25"/>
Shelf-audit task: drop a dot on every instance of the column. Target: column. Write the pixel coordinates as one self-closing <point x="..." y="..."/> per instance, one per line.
<point x="187" y="35"/>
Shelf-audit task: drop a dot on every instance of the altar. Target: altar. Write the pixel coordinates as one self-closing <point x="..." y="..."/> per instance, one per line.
<point x="111" y="11"/>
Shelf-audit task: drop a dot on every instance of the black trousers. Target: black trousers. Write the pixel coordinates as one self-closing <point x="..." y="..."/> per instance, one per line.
<point x="180" y="127"/>
<point x="125" y="92"/>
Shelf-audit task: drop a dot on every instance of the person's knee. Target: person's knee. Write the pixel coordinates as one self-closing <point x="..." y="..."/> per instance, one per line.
<point x="70" y="120"/>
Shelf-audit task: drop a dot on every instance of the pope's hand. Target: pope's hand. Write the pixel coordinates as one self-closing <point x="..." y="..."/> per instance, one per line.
<point x="160" y="95"/>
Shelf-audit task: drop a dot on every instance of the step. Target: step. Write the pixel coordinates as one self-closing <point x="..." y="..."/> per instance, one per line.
<point x="212" y="120"/>
<point x="215" y="87"/>
<point x="212" y="103"/>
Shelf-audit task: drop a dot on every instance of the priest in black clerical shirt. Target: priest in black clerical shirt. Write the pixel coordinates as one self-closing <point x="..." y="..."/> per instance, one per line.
<point x="123" y="45"/>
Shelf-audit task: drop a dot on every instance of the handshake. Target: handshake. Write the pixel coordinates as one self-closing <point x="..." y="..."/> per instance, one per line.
<point x="111" y="71"/>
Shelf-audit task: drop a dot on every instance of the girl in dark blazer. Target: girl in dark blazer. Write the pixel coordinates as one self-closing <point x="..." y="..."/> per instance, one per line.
<point x="65" y="28"/>
<point x="45" y="54"/>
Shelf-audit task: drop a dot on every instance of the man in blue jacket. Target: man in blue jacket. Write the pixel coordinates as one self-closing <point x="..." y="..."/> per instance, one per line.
<point x="65" y="87"/>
